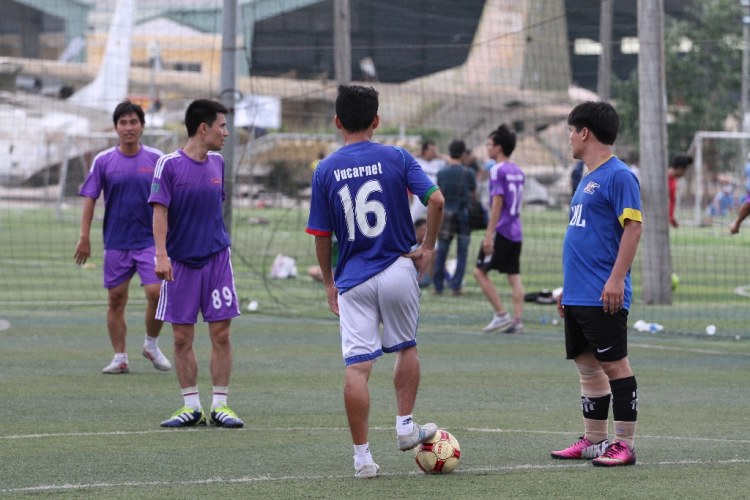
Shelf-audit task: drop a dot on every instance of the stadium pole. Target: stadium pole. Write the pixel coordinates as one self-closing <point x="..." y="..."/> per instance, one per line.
<point x="342" y="41"/>
<point x="656" y="263"/>
<point x="227" y="93"/>
<point x="605" y="58"/>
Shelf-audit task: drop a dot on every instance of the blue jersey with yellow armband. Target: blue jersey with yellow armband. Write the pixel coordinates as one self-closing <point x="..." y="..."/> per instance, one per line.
<point x="603" y="200"/>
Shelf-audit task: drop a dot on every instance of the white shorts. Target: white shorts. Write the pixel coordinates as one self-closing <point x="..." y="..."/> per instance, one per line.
<point x="391" y="297"/>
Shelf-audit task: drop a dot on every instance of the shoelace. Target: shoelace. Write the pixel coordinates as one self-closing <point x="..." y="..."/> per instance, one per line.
<point x="613" y="450"/>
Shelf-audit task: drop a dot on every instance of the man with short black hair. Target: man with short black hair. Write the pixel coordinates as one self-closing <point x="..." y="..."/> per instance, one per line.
<point x="124" y="174"/>
<point x="360" y="194"/>
<point x="598" y="250"/>
<point x="501" y="247"/>
<point x="193" y="259"/>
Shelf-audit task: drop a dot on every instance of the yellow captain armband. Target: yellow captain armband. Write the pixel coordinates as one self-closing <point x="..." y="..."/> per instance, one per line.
<point x="630" y="213"/>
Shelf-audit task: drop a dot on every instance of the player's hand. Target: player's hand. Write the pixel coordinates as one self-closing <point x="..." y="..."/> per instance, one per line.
<point x="421" y="258"/>
<point x="332" y="294"/>
<point x="613" y="296"/>
<point x="734" y="228"/>
<point x="487" y="246"/>
<point x="164" y="268"/>
<point x="674" y="223"/>
<point x="560" y="307"/>
<point x="83" y="250"/>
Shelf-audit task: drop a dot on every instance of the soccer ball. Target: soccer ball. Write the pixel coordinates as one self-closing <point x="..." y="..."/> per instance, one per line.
<point x="439" y="455"/>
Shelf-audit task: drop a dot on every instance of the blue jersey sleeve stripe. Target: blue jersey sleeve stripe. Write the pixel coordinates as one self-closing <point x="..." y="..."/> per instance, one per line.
<point x="427" y="195"/>
<point x="160" y="163"/>
<point x="630" y="213"/>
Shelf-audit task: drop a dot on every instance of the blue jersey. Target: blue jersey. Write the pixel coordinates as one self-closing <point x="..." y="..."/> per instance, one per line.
<point x="193" y="192"/>
<point x="126" y="182"/>
<point x="360" y="194"/>
<point x="603" y="200"/>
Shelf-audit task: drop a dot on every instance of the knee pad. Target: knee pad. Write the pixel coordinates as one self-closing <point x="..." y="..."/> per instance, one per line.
<point x="594" y="382"/>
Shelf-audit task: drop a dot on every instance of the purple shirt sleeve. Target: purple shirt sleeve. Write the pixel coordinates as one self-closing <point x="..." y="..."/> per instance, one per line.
<point x="93" y="185"/>
<point x="161" y="185"/>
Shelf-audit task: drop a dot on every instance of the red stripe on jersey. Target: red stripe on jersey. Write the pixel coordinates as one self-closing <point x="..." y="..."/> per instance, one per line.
<point x="318" y="233"/>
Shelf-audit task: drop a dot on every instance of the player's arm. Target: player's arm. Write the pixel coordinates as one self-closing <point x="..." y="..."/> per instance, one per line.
<point x="734" y="227"/>
<point x="83" y="250"/>
<point x="497" y="207"/>
<point x="324" y="252"/>
<point x="163" y="266"/>
<point x="613" y="294"/>
<point x="422" y="255"/>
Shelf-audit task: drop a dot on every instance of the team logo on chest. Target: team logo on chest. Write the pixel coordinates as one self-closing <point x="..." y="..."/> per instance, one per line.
<point x="590" y="187"/>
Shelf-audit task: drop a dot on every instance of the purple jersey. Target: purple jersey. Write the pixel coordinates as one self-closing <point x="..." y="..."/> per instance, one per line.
<point x="193" y="192"/>
<point x="506" y="180"/>
<point x="126" y="181"/>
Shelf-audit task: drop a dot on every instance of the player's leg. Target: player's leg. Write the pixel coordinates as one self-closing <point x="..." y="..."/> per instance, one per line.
<point x="516" y="288"/>
<point x="151" y="349"/>
<point x="398" y="299"/>
<point x="219" y="306"/>
<point x="360" y="345"/>
<point x="625" y="412"/>
<point x="606" y="335"/>
<point x="594" y="388"/>
<point x="118" y="269"/>
<point x="186" y="367"/>
<point x="117" y="298"/>
<point x="462" y="253"/>
<point x="485" y="263"/>
<point x="179" y="302"/>
<point x="438" y="277"/>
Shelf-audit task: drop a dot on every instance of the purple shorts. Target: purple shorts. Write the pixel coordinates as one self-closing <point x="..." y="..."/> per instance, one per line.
<point x="121" y="265"/>
<point x="209" y="289"/>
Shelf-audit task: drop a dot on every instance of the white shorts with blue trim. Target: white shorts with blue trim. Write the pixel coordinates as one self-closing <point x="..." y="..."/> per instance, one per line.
<point x="391" y="297"/>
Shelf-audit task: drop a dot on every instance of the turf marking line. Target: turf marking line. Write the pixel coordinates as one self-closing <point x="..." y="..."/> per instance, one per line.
<point x="52" y="487"/>
<point x="287" y="429"/>
<point x="687" y="349"/>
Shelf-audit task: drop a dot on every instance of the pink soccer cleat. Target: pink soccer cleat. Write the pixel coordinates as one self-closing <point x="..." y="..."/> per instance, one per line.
<point x="583" y="449"/>
<point x="618" y="453"/>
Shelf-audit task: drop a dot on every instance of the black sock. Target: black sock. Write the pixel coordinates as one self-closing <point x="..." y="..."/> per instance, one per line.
<point x="624" y="399"/>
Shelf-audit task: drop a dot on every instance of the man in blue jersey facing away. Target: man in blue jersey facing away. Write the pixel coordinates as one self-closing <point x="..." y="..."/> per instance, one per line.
<point x="360" y="194"/>
<point x="598" y="250"/>
<point x="124" y="174"/>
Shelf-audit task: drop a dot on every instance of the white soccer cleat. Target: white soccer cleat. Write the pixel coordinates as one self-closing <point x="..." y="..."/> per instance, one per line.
<point x="368" y="471"/>
<point x="419" y="434"/>
<point x="158" y="359"/>
<point x="114" y="368"/>
<point x="498" y="322"/>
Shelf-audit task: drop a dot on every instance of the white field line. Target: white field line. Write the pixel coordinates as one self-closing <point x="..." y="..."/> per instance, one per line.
<point x="219" y="480"/>
<point x="346" y="429"/>
<point x="687" y="349"/>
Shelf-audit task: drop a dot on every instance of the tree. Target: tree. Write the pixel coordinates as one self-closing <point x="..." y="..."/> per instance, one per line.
<point x="703" y="61"/>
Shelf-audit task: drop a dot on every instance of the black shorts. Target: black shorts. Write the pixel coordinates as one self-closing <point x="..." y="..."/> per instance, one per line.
<point x="590" y="329"/>
<point x="506" y="257"/>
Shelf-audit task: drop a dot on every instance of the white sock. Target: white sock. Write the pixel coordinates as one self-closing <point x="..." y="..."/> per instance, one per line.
<point x="501" y="314"/>
<point x="404" y="425"/>
<point x="192" y="400"/>
<point x="362" y="455"/>
<point x="121" y="357"/>
<point x="220" y="396"/>
<point x="151" y="343"/>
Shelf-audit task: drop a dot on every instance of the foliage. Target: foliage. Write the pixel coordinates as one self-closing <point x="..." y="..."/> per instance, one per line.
<point x="703" y="83"/>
